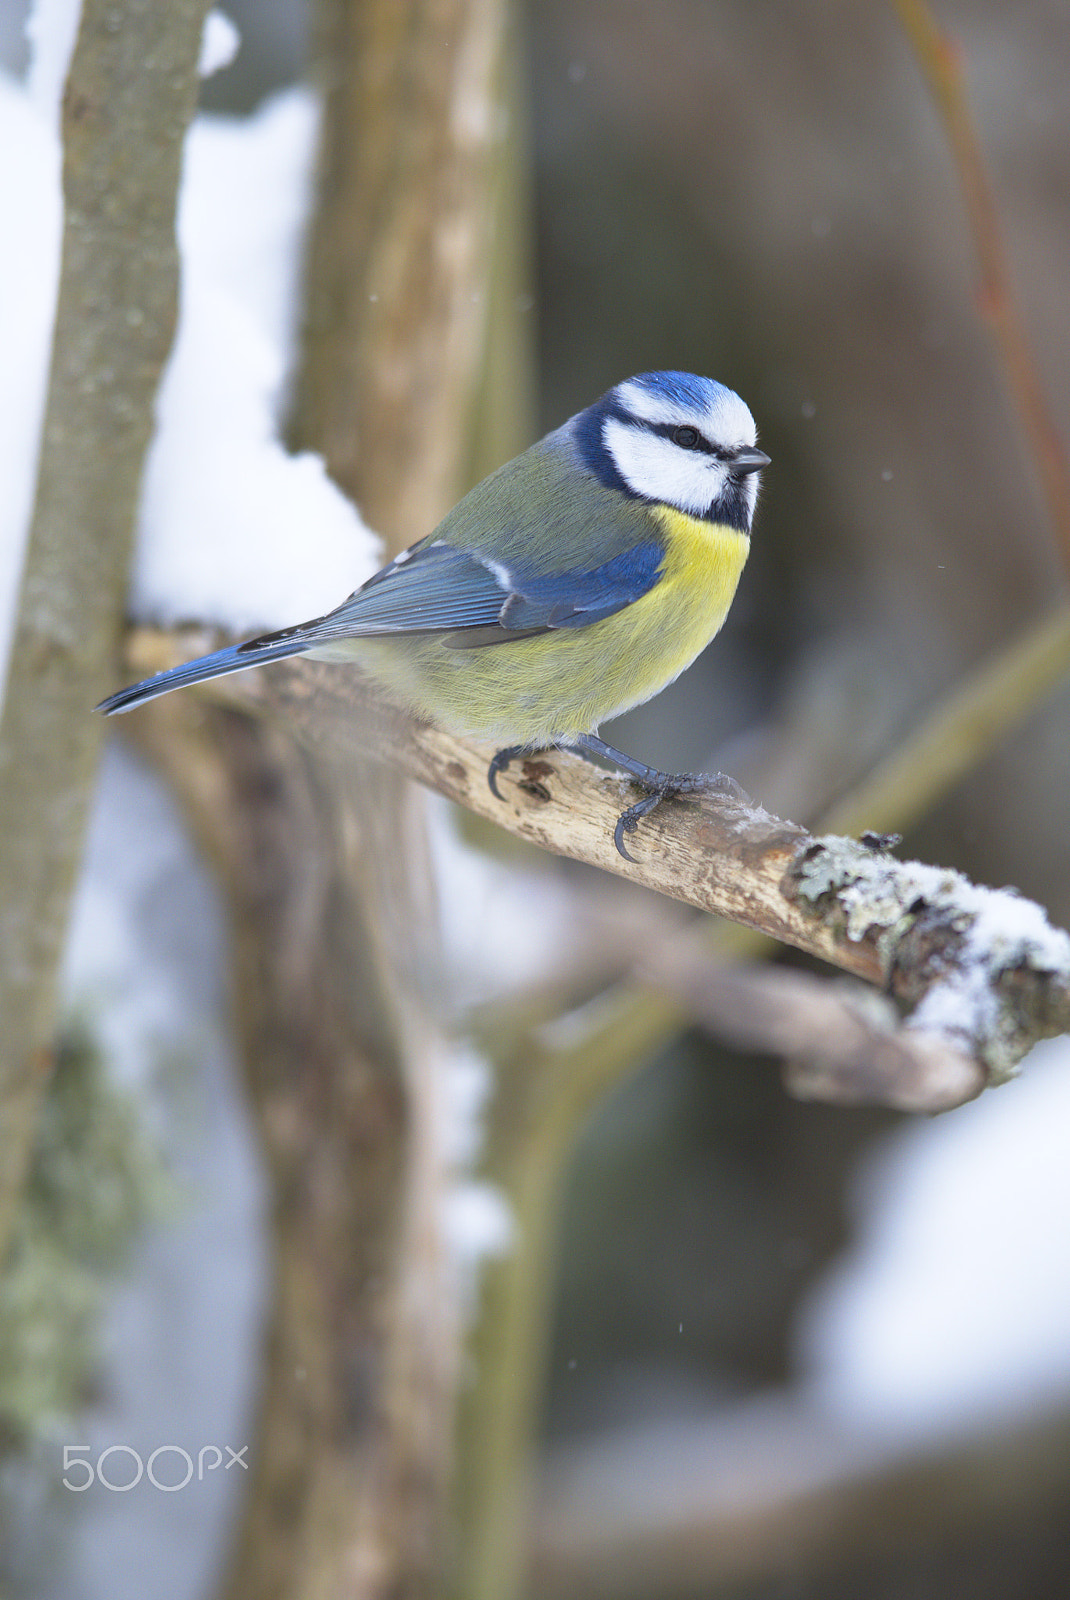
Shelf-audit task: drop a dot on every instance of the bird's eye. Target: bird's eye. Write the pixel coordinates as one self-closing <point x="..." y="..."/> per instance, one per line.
<point x="685" y="437"/>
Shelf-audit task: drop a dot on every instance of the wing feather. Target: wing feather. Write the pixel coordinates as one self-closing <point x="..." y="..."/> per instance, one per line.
<point x="437" y="588"/>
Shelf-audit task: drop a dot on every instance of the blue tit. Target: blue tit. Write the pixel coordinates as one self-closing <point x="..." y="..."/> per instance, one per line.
<point x="572" y="584"/>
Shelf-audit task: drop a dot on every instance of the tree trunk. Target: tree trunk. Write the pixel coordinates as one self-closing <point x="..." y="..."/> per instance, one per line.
<point x="323" y="856"/>
<point x="129" y="98"/>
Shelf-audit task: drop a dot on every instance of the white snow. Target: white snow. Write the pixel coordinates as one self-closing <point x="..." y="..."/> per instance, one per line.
<point x="477" y="1223"/>
<point x="235" y="530"/>
<point x="30" y="199"/>
<point x="147" y="963"/>
<point x="953" y="1308"/>
<point x="467" y="1084"/>
<point x="51" y="28"/>
<point x="220" y="43"/>
<point x="474" y="1217"/>
<point x="1006" y="932"/>
<point x="503" y="927"/>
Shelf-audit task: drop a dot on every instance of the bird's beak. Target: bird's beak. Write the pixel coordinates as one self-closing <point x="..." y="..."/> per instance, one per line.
<point x="748" y="461"/>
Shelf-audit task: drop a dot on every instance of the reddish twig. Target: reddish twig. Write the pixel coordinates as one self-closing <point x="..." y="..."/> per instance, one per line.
<point x="940" y="62"/>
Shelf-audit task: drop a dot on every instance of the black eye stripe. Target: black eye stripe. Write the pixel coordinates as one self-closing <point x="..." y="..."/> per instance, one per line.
<point x="669" y="430"/>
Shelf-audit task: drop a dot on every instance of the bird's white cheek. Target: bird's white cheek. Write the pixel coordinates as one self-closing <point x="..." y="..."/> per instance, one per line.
<point x="659" y="470"/>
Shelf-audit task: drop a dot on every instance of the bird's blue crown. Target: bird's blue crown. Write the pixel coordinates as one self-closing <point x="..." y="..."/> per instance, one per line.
<point x="684" y="388"/>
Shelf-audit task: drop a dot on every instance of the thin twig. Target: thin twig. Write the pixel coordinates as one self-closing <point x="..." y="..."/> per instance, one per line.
<point x="958" y="731"/>
<point x="939" y="60"/>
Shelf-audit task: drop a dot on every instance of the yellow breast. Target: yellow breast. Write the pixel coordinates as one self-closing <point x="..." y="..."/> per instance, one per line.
<point x="704" y="556"/>
<point x="676" y="619"/>
<point x="626" y="659"/>
<point x="543" y="690"/>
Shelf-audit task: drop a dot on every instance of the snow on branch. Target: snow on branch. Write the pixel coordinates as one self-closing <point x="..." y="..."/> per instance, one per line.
<point x="982" y="968"/>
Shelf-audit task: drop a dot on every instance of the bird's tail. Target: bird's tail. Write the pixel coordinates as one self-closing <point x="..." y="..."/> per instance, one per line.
<point x="272" y="647"/>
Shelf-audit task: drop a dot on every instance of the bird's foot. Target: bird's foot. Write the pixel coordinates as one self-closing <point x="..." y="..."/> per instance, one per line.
<point x="668" y="786"/>
<point x="659" y="786"/>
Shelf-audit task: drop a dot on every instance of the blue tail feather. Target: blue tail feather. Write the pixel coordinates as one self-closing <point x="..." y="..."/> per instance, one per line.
<point x="235" y="658"/>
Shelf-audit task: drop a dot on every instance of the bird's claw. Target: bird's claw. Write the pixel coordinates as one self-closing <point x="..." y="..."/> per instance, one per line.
<point x="499" y="764"/>
<point x="629" y="820"/>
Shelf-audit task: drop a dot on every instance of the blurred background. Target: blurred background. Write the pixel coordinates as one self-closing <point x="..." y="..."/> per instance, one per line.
<point x="785" y="1299"/>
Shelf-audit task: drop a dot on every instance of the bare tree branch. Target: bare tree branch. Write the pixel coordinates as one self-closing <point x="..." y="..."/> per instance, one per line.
<point x="701" y="1508"/>
<point x="841" y="1041"/>
<point x="130" y="95"/>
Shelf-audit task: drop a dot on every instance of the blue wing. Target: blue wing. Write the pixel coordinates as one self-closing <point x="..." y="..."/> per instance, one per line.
<point x="437" y="589"/>
<point x="474" y="601"/>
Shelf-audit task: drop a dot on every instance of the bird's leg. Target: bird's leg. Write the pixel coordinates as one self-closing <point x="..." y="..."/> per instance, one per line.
<point x="659" y="785"/>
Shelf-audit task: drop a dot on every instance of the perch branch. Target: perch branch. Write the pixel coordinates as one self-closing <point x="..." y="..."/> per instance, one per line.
<point x="980" y="969"/>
